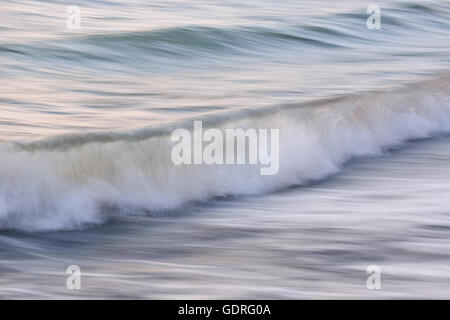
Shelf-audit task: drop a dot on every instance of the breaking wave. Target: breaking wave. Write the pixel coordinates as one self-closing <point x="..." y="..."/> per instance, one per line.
<point x="70" y="181"/>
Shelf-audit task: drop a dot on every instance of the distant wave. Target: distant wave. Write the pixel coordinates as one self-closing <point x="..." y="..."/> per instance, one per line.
<point x="69" y="181"/>
<point x="336" y="31"/>
<point x="173" y="42"/>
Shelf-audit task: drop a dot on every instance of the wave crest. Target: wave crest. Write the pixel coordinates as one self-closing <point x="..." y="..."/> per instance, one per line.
<point x="70" y="181"/>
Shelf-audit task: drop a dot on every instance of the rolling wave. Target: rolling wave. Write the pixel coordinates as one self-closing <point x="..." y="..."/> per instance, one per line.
<point x="173" y="42"/>
<point x="334" y="31"/>
<point x="72" y="181"/>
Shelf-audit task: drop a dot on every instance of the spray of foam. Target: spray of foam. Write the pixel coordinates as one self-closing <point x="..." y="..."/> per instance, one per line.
<point x="69" y="182"/>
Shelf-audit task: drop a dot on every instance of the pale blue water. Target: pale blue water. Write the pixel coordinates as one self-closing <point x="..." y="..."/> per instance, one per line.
<point x="85" y="122"/>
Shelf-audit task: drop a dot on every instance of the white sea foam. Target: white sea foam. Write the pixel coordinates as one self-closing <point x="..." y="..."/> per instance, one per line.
<point x="67" y="182"/>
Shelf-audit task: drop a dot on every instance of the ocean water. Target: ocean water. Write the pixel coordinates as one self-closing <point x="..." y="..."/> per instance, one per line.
<point x="86" y="176"/>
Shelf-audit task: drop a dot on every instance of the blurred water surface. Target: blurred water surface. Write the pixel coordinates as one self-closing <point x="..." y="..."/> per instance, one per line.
<point x="140" y="65"/>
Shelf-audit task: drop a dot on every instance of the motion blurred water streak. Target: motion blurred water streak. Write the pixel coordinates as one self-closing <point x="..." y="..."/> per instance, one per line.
<point x="86" y="177"/>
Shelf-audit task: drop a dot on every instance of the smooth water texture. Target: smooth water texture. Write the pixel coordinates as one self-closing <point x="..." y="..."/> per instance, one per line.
<point x="86" y="176"/>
